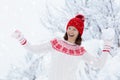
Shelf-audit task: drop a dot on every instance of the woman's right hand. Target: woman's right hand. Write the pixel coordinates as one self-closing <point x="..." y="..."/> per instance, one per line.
<point x="18" y="35"/>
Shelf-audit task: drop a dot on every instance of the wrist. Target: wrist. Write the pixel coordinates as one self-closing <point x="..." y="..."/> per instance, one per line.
<point x="105" y="50"/>
<point x="23" y="42"/>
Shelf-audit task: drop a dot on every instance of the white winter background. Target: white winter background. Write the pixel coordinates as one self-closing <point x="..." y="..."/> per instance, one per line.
<point x="41" y="20"/>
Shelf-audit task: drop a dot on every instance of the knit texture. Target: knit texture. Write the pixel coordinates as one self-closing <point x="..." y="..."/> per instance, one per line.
<point x="66" y="48"/>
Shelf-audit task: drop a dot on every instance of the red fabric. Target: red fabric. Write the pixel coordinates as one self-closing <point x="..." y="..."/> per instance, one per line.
<point x="66" y="48"/>
<point x="106" y="51"/>
<point x="77" y="22"/>
<point x="24" y="42"/>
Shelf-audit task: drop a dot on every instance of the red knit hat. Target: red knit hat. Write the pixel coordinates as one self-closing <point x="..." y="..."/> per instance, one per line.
<point x="77" y="22"/>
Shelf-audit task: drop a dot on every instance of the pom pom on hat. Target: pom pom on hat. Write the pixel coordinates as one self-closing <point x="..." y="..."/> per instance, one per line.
<point x="77" y="22"/>
<point x="80" y="17"/>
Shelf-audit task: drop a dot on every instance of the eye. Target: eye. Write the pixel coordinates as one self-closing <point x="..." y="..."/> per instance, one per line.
<point x="69" y="28"/>
<point x="74" y="29"/>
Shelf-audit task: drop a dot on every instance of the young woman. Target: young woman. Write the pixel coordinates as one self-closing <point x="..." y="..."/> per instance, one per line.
<point x="66" y="53"/>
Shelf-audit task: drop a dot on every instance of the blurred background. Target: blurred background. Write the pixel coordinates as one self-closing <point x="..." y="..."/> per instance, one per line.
<point x="42" y="20"/>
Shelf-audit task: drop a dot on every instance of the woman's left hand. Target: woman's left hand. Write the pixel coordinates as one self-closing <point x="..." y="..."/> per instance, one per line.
<point x="108" y="36"/>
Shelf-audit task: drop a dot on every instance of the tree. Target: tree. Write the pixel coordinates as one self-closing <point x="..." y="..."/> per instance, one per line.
<point x="34" y="67"/>
<point x="99" y="15"/>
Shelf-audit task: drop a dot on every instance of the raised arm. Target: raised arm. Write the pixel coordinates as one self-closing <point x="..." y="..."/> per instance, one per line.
<point x="40" y="48"/>
<point x="99" y="62"/>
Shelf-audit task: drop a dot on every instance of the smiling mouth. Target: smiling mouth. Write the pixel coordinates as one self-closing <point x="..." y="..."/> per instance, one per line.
<point x="71" y="35"/>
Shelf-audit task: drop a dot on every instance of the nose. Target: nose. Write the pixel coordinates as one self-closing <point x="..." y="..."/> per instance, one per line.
<point x="72" y="30"/>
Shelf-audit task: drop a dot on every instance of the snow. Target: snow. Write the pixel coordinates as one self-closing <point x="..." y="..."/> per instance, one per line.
<point x="26" y="16"/>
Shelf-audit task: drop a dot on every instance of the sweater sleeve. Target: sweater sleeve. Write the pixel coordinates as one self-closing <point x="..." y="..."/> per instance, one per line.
<point x="97" y="62"/>
<point x="40" y="48"/>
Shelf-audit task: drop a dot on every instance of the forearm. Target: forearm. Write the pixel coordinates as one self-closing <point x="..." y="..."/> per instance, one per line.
<point x="41" y="48"/>
<point x="30" y="48"/>
<point x="38" y="49"/>
<point x="97" y="62"/>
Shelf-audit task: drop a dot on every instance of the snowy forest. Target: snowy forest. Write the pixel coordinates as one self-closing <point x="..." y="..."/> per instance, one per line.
<point x="42" y="20"/>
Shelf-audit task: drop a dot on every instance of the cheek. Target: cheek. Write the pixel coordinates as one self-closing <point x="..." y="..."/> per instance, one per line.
<point x="68" y="31"/>
<point x="76" y="34"/>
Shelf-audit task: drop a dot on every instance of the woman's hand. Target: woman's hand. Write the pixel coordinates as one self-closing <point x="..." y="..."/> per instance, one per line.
<point x="107" y="46"/>
<point x="18" y="35"/>
<point x="108" y="37"/>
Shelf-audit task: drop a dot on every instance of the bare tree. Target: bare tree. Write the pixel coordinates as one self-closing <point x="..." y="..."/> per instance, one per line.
<point x="99" y="15"/>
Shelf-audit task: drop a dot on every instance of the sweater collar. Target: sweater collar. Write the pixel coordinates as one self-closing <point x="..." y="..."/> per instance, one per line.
<point x="67" y="47"/>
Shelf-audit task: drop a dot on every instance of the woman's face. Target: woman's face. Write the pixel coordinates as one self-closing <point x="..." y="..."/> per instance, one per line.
<point x="72" y="33"/>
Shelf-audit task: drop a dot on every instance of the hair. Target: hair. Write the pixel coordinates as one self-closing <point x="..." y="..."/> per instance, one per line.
<point x="77" y="41"/>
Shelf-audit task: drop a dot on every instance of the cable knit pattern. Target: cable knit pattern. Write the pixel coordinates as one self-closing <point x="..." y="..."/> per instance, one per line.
<point x="67" y="48"/>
